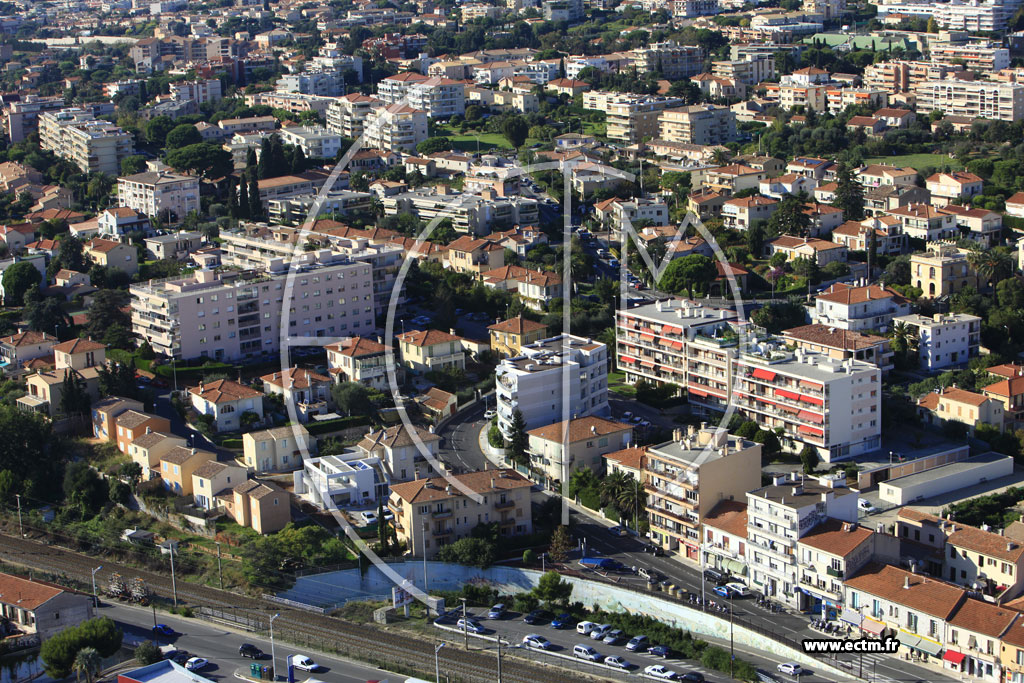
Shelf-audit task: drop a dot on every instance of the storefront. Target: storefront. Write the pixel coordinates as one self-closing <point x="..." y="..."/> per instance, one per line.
<point x="919" y="647"/>
<point x="953" y="660"/>
<point x="871" y="627"/>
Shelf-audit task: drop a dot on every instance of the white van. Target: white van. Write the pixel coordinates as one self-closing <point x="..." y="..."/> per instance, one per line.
<point x="585" y="627"/>
<point x="586" y="652"/>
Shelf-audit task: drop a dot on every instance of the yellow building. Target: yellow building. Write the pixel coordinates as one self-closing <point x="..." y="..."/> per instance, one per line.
<point x="941" y="270"/>
<point x="429" y="350"/>
<point x="431" y="513"/>
<point x="509" y="336"/>
<point x="178" y="465"/>
<point x="965" y="407"/>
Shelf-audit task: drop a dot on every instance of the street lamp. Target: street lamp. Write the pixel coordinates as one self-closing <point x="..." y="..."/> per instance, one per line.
<point x="174" y="584"/>
<point x="437" y="664"/>
<point x="465" y="624"/>
<point x="273" y="657"/>
<point x="21" y="529"/>
<point x="95" y="598"/>
<point x="220" y="574"/>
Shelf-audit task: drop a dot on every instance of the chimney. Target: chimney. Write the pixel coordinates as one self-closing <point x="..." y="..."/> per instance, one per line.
<point x="778" y="479"/>
<point x="492" y="483"/>
<point x="906" y="582"/>
<point x="1010" y="545"/>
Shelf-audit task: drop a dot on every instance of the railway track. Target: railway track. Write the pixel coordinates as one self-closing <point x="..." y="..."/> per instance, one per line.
<point x="302" y="628"/>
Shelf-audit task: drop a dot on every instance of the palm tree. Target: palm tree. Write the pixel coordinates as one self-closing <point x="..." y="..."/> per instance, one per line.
<point x="631" y="500"/>
<point x="991" y="265"/>
<point x="612" y="487"/>
<point x="904" y="338"/>
<point x="87" y="663"/>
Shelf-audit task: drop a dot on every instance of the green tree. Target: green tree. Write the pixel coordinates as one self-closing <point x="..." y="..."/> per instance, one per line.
<point x="515" y="129"/>
<point x="157" y="129"/>
<point x="60" y="651"/>
<point x="182" y="136"/>
<point x="206" y="159"/>
<point x="118" y="379"/>
<point x="47" y="315"/>
<point x="147" y="653"/>
<point x="518" y="442"/>
<point x="16" y="281"/>
<point x="243" y="198"/>
<point x="433" y="145"/>
<point x="352" y="398"/>
<point x="790" y="218"/>
<point x="809" y="458"/>
<point x="849" y="194"/>
<point x="133" y="164"/>
<point x="255" y="204"/>
<point x="74" y="396"/>
<point x="690" y="274"/>
<point x="473" y="552"/>
<point x="552" y="590"/>
<point x="561" y="545"/>
<point x="107" y="310"/>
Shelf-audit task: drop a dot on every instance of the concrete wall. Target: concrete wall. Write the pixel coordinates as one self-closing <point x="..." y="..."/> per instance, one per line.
<point x="902" y="491"/>
<point x="337" y="587"/>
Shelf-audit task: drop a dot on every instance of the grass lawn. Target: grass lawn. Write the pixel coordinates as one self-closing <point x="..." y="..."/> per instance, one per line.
<point x="597" y="129"/>
<point x="918" y="161"/>
<point x="488" y="142"/>
<point x="617" y="383"/>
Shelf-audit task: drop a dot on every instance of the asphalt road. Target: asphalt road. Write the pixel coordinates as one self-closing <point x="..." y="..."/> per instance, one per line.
<point x="461" y="447"/>
<point x="220" y="646"/>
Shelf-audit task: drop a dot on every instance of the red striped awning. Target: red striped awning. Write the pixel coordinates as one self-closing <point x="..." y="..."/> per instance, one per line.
<point x="872" y="626"/>
<point x="813" y="431"/>
<point x="766" y="375"/>
<point x="953" y="657"/>
<point x="668" y="329"/>
<point x="647" y="363"/>
<point x="792" y="395"/>
<point x="647" y="337"/>
<point x="627" y="359"/>
<point x="811" y="417"/>
<point x="699" y="392"/>
<point x="678" y="346"/>
<point x="810" y="385"/>
<point x="812" y="400"/>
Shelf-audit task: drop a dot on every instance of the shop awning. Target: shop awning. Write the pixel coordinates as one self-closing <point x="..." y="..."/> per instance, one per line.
<point x="766" y="375"/>
<point x="908" y="639"/>
<point x="869" y="625"/>
<point x="792" y="395"/>
<point x="735" y="567"/>
<point x="851" y="616"/>
<point x="811" y="399"/>
<point x="811" y="417"/>
<point x="953" y="657"/>
<point x="929" y="646"/>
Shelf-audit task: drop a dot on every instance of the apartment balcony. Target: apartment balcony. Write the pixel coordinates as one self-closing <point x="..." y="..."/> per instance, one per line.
<point x="835" y="573"/>
<point x="679" y="517"/>
<point x="443" y="531"/>
<point x="504" y="504"/>
<point x="507" y="521"/>
<point x="773" y="551"/>
<point x="441" y="514"/>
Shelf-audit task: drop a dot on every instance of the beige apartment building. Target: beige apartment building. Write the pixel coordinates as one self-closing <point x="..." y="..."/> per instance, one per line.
<point x="702" y="124"/>
<point x="630" y="118"/>
<point x="94" y="145"/>
<point x="589" y="439"/>
<point x="685" y="478"/>
<point x="347" y="115"/>
<point x="432" y="513"/>
<point x="395" y="128"/>
<point x="749" y="72"/>
<point x="899" y="76"/>
<point x="161" y="194"/>
<point x="958" y="405"/>
<point x="276" y="450"/>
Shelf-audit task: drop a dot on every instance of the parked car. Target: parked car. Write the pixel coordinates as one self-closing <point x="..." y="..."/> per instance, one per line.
<point x="197" y="663"/>
<point x="660" y="671"/>
<point x="659" y="651"/>
<point x="304" y="663"/>
<point x="368" y="517"/>
<point x="497" y="611"/>
<point x="614" y="263"/>
<point x="562" y="621"/>
<point x="865" y="505"/>
<point x="536" y="616"/>
<point x="584" y="628"/>
<point x="470" y="625"/>
<point x="738" y="589"/>
<point x="164" y="630"/>
<point x="614" y="637"/>
<point x="638" y="643"/>
<point x="600" y="631"/>
<point x="692" y="677"/>
<point x="791" y="668"/>
<point x="489" y="414"/>
<point x="650" y="574"/>
<point x="715" y="576"/>
<point x="538" y="641"/>
<point x="249" y="650"/>
<point x="723" y="591"/>
<point x="617" y="530"/>
<point x="617" y="661"/>
<point x="586" y="652"/>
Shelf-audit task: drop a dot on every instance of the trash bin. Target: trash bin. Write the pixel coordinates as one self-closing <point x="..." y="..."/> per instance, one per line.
<point x="255" y="671"/>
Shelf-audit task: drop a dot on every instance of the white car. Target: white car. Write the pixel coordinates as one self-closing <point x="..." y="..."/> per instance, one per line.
<point x="196" y="663"/>
<point x="585" y="627"/>
<point x="738" y="589"/>
<point x="368" y="517"/>
<point x="489" y="415"/>
<point x="537" y="641"/>
<point x="469" y="625"/>
<point x="617" y="661"/>
<point x="660" y="671"/>
<point x="865" y="505"/>
<point x="304" y="663"/>
<point x="791" y="668"/>
<point x="628" y="414"/>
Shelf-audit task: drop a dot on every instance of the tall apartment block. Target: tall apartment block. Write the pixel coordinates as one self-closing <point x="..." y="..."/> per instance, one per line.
<point x="94" y="145"/>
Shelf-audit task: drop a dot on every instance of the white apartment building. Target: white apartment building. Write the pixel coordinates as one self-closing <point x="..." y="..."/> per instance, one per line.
<point x="94" y="145"/>
<point x="962" y="15"/>
<point x="630" y="117"/>
<point x="532" y="382"/>
<point x="944" y="340"/>
<point x="672" y="60"/>
<point x="831" y="405"/>
<point x="749" y="72"/>
<point x="976" y="57"/>
<point x="778" y="516"/>
<point x="223" y="316"/>
<point x="358" y="359"/>
<point x="439" y="97"/>
<point x="167" y="196"/>
<point x="869" y="307"/>
<point x="351" y="478"/>
<point x="208" y="90"/>
<point x="314" y="81"/>
<point x="976" y="99"/>
<point x="395" y="128"/>
<point x="316" y="142"/>
<point x="475" y="214"/>
<point x="346" y="116"/>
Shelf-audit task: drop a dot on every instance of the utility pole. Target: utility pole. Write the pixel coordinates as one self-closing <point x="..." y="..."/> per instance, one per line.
<point x="437" y="664"/>
<point x="465" y="624"/>
<point x="21" y="529"/>
<point x="499" y="659"/>
<point x="95" y="597"/>
<point x="273" y="657"/>
<point x="426" y="526"/>
<point x="732" y="648"/>
<point x="220" y="574"/>
<point x="174" y="585"/>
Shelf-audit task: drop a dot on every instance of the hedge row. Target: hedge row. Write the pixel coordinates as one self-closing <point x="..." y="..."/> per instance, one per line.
<point x="328" y="426"/>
